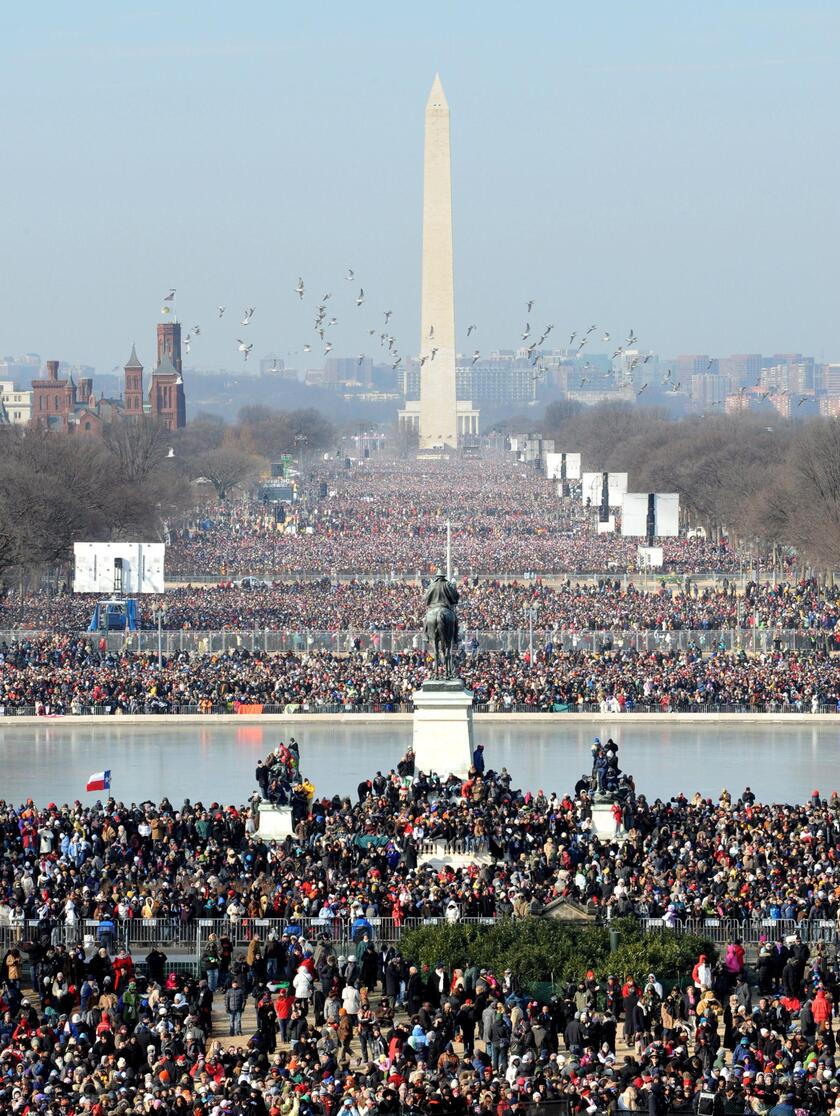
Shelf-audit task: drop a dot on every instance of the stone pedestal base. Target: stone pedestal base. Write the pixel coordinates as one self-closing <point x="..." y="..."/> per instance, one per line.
<point x="275" y="822"/>
<point x="437" y="854"/>
<point x="603" y="823"/>
<point x="443" y="728"/>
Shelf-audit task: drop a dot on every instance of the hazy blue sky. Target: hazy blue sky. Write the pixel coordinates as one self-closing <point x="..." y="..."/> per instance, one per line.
<point x="667" y="166"/>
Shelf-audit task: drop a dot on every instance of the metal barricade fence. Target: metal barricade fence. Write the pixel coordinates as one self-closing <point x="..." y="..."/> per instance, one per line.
<point x="188" y="940"/>
<point x="394" y="641"/>
<point x="146" y="932"/>
<point x="385" y="930"/>
<point x="750" y="931"/>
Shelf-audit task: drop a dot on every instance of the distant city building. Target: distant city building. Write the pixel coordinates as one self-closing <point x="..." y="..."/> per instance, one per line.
<point x="781" y="358"/>
<point x="782" y="404"/>
<point x="15" y="404"/>
<point x="590" y="396"/>
<point x="384" y="378"/>
<point x="736" y="402"/>
<point x="795" y="375"/>
<point x="785" y="403"/>
<point x="348" y="370"/>
<point x="743" y="369"/>
<point x="408" y="380"/>
<point x="697" y="364"/>
<point x="635" y="367"/>
<point x="831" y="379"/>
<point x="708" y="389"/>
<point x="497" y="381"/>
<point x="20" y="369"/>
<point x="272" y="365"/>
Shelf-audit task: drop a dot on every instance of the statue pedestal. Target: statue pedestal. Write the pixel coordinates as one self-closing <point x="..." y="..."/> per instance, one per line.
<point x="603" y="823"/>
<point x="443" y="727"/>
<point x="275" y="822"/>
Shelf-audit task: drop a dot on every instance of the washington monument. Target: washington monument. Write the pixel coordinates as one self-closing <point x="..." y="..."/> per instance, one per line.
<point x="438" y="407"/>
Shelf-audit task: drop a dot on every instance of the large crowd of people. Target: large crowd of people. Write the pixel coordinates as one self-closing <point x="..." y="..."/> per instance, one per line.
<point x="354" y="1027"/>
<point x="490" y="605"/>
<point x="85" y="1027"/>
<point x="68" y="674"/>
<point x="507" y="519"/>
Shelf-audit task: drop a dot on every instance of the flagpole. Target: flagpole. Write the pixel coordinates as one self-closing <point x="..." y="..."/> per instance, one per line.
<point x="448" y="551"/>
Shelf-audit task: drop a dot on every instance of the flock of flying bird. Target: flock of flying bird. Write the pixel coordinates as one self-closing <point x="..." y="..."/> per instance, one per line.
<point x="324" y="321"/>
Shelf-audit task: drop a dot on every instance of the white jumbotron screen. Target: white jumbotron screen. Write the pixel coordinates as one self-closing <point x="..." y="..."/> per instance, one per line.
<point x="591" y="484"/>
<point x="634" y="510"/>
<point x="96" y="570"/>
<point x="554" y="466"/>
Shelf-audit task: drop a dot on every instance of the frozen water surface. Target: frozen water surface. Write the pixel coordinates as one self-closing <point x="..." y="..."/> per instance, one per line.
<point x="51" y="761"/>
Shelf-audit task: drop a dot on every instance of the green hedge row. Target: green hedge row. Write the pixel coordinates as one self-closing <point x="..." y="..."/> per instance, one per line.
<point x="540" y="949"/>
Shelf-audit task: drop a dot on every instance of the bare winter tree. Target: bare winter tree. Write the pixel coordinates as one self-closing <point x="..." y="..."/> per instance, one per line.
<point x="815" y="513"/>
<point x="139" y="446"/>
<point x="226" y="468"/>
<point x="57" y="489"/>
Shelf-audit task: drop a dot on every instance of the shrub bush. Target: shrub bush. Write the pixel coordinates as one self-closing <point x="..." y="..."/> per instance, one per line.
<point x="541" y="949"/>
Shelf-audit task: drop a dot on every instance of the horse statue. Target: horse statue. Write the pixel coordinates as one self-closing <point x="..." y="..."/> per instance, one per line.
<point x="441" y="624"/>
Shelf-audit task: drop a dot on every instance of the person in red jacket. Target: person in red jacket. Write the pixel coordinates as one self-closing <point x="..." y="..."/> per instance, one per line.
<point x="283" y="1006"/>
<point x="123" y="971"/>
<point x="821" y="1008"/>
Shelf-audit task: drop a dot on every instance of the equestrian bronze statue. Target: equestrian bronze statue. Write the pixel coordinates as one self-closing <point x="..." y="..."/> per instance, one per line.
<point x="441" y="625"/>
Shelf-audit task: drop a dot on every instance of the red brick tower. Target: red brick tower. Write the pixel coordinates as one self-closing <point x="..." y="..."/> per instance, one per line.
<point x="51" y="400"/>
<point x="133" y="389"/>
<point x="166" y="395"/>
<point x="169" y="344"/>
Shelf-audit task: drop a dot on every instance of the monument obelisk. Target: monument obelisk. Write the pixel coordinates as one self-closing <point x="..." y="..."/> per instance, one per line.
<point x="438" y="406"/>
